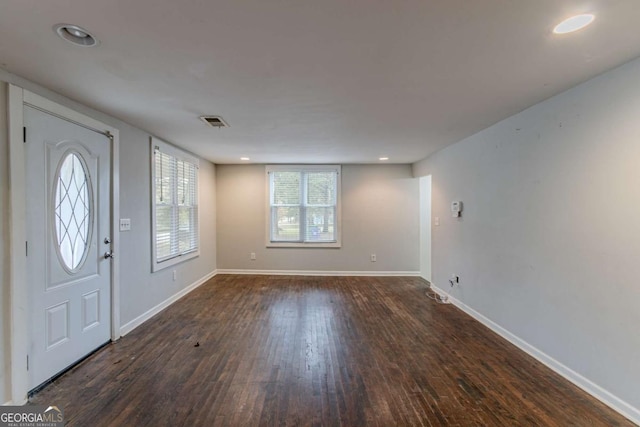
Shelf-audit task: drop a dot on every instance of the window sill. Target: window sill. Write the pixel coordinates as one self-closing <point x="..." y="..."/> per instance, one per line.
<point x="157" y="266"/>
<point x="314" y="245"/>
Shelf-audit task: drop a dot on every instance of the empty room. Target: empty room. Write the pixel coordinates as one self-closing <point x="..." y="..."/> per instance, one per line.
<point x="337" y="213"/>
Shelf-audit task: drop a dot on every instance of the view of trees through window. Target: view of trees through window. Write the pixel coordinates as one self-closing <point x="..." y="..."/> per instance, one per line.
<point x="303" y="206"/>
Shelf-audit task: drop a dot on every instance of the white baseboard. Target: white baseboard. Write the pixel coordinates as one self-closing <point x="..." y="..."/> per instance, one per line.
<point x="130" y="326"/>
<point x="319" y="273"/>
<point x="609" y="399"/>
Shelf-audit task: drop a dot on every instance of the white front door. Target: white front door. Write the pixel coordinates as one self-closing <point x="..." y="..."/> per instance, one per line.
<point x="68" y="186"/>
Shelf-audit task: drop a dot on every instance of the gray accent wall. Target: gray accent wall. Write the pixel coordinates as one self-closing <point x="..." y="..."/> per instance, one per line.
<point x="379" y="216"/>
<point x="549" y="239"/>
<point x="140" y="289"/>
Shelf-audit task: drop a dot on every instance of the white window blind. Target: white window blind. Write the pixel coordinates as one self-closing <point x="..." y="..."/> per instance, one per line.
<point x="175" y="206"/>
<point x="303" y="204"/>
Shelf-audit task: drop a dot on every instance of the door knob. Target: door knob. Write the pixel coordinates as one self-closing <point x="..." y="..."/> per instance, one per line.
<point x="107" y="240"/>
<point x="108" y="255"/>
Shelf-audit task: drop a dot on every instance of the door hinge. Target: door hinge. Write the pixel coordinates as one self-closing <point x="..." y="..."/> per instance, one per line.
<point x="27" y="362"/>
<point x="26" y="248"/>
<point x="24" y="134"/>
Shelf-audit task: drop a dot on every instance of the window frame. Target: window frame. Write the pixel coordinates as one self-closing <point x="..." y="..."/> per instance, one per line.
<point x="338" y="207"/>
<point x="178" y="154"/>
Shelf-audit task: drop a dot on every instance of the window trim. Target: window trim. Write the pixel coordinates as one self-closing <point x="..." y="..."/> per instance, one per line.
<point x="185" y="156"/>
<point x="303" y="168"/>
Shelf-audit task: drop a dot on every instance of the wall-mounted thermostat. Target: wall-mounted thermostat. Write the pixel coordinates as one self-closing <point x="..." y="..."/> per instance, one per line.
<point x="456" y="208"/>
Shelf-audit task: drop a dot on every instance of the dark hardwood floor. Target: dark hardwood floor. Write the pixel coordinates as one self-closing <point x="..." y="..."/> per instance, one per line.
<point x="321" y="351"/>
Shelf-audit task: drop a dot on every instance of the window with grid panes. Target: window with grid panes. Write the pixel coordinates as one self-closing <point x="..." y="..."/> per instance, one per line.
<point x="304" y="205"/>
<point x="175" y="205"/>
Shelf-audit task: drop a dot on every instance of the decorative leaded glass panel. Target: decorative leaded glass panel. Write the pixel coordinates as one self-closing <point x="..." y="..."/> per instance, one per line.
<point x="72" y="211"/>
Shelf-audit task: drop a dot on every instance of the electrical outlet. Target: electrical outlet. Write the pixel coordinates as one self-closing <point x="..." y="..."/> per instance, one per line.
<point x="252" y="256"/>
<point x="175" y="275"/>
<point x="437" y="220"/>
<point x="454" y="280"/>
<point x="373" y="258"/>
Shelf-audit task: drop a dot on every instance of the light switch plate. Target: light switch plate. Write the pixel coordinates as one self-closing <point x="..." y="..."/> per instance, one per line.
<point x="125" y="224"/>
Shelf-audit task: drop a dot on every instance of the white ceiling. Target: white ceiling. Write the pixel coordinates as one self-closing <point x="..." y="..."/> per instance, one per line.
<point x="343" y="81"/>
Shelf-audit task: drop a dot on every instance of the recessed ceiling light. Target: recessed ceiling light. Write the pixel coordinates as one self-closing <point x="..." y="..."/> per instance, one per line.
<point x="75" y="35"/>
<point x="384" y="158"/>
<point x="245" y="158"/>
<point x="574" y="23"/>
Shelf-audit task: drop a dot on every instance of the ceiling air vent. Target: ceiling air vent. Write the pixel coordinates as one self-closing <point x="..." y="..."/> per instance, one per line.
<point x="214" y="121"/>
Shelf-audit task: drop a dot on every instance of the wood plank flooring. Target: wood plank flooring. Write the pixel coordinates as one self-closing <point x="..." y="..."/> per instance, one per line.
<point x="317" y="351"/>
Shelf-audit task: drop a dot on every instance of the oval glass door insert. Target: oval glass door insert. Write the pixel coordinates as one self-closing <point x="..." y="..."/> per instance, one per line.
<point x="73" y="211"/>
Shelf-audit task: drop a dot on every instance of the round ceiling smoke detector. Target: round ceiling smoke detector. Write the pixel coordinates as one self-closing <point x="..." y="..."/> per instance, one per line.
<point x="76" y="35"/>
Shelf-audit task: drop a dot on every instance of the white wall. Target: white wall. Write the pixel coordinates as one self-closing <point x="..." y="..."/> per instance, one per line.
<point x="379" y="215"/>
<point x="5" y="359"/>
<point x="549" y="241"/>
<point x="425" y="227"/>
<point x="140" y="289"/>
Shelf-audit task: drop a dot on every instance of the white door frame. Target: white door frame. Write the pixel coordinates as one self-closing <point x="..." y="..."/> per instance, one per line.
<point x="19" y="325"/>
<point x="426" y="228"/>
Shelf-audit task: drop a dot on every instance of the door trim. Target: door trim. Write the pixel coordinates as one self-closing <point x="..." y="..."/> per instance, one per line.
<point x="19" y="329"/>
